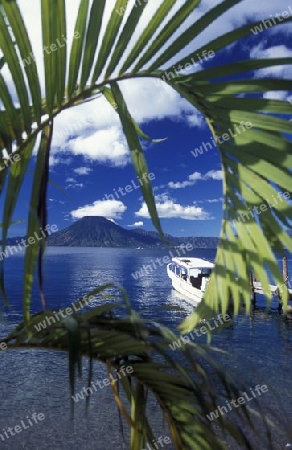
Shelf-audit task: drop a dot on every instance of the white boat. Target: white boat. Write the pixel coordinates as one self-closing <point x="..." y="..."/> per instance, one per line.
<point x="190" y="277"/>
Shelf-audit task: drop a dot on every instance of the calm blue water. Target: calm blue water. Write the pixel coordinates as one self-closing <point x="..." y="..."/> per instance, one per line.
<point x="260" y="350"/>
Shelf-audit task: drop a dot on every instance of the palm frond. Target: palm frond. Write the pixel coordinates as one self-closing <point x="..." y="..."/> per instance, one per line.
<point x="140" y="354"/>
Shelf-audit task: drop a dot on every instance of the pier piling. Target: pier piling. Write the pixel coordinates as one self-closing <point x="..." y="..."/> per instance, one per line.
<point x="285" y="270"/>
<point x="252" y="289"/>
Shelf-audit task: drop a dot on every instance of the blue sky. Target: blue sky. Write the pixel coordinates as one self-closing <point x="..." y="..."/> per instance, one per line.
<point x="90" y="158"/>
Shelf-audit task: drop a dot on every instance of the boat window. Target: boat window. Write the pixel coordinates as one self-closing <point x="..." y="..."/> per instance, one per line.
<point x="183" y="274"/>
<point x="206" y="272"/>
<point x="194" y="272"/>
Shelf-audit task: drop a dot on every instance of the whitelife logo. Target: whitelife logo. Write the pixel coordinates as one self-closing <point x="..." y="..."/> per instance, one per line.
<point x="161" y="261"/>
<point x="159" y="443"/>
<point x="19" y="428"/>
<point x="144" y="180"/>
<point x="63" y="313"/>
<point x="269" y="23"/>
<point x="221" y="139"/>
<point x="241" y="401"/>
<point x="11" y="159"/>
<point x="12" y="249"/>
<point x="122" y="371"/>
<point x="53" y="47"/>
<point x="183" y="340"/>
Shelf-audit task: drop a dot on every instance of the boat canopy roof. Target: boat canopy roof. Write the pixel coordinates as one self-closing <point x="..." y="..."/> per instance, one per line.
<point x="193" y="263"/>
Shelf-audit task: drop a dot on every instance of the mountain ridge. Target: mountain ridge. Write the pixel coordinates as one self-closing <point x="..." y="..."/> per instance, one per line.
<point x="97" y="231"/>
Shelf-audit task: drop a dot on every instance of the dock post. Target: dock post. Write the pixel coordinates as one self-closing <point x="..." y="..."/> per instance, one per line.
<point x="285" y="270"/>
<point x="285" y="280"/>
<point x="252" y="293"/>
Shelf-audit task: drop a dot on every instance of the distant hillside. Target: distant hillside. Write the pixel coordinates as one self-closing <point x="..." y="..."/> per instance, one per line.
<point x="197" y="242"/>
<point x="100" y="232"/>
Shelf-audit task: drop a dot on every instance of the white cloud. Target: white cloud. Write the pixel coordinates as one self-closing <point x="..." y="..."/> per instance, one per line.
<point x="92" y="128"/>
<point x="179" y="185"/>
<point x="106" y="146"/>
<point x="58" y="159"/>
<point x="72" y="183"/>
<point x="214" y="175"/>
<point x="112" y="209"/>
<point x="82" y="170"/>
<point x="276" y="95"/>
<point x="211" y="200"/>
<point x="189" y="182"/>
<point x="194" y="177"/>
<point x="215" y="200"/>
<point x="196" y="120"/>
<point x="152" y="100"/>
<point x="163" y="197"/>
<point x="168" y="208"/>
<point x="277" y="51"/>
<point x="137" y="224"/>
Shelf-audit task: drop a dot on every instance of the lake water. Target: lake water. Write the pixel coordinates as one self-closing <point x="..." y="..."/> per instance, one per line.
<point x="259" y="346"/>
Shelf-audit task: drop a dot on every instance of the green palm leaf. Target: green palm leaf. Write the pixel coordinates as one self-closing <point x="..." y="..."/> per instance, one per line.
<point x="10" y="55"/>
<point x="172" y="25"/>
<point x="246" y="166"/>
<point x="34" y="220"/>
<point x="185" y="396"/>
<point x="77" y="46"/>
<point x="92" y="37"/>
<point x="16" y="22"/>
<point x="137" y="154"/>
<point x="191" y="33"/>
<point x="125" y="37"/>
<point x="159" y="16"/>
<point x="109" y="38"/>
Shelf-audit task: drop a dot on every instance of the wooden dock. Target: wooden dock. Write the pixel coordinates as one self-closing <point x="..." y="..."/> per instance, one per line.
<point x="275" y="291"/>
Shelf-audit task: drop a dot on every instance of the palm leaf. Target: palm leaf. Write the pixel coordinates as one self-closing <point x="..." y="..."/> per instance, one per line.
<point x="213" y="46"/>
<point x="185" y="396"/>
<point x="138" y="158"/>
<point x="92" y="37"/>
<point x="191" y="33"/>
<point x="125" y="37"/>
<point x="158" y="17"/>
<point x="109" y="38"/>
<point x="7" y="46"/>
<point x="34" y="220"/>
<point x="16" y="22"/>
<point x="61" y="52"/>
<point x="172" y="25"/>
<point x="77" y="46"/>
<point x="246" y="168"/>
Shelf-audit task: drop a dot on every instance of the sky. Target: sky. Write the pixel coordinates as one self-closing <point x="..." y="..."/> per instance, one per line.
<point x="90" y="164"/>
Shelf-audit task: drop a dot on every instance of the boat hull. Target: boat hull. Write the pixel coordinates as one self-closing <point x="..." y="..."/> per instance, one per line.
<point x="193" y="295"/>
